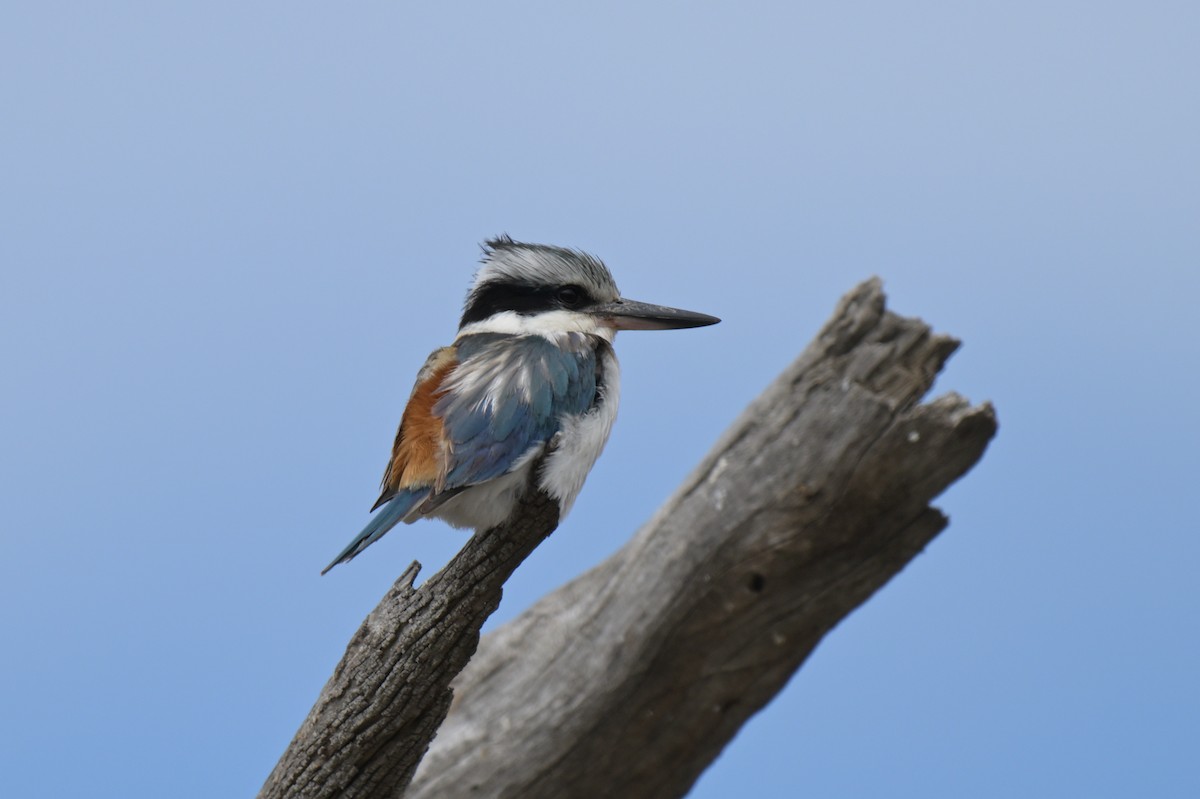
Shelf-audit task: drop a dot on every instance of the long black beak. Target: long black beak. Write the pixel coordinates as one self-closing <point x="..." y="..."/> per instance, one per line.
<point x="625" y="314"/>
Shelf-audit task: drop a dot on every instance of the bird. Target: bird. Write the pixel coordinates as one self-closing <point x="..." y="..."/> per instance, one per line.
<point x="531" y="371"/>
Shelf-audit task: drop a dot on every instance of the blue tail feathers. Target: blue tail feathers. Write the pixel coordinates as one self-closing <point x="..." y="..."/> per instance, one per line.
<point x="388" y="517"/>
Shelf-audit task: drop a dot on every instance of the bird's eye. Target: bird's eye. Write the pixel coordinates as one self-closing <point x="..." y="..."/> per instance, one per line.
<point x="570" y="296"/>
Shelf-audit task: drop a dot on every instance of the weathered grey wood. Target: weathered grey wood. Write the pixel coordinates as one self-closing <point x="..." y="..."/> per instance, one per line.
<point x="630" y="679"/>
<point x="375" y="717"/>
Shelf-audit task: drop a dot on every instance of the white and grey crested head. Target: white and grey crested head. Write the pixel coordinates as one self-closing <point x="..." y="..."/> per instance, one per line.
<point x="529" y="279"/>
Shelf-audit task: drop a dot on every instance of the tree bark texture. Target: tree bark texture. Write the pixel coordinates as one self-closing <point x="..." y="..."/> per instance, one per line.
<point x="378" y="712"/>
<point x="629" y="680"/>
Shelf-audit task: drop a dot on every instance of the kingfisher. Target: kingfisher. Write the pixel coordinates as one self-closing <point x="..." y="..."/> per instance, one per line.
<point x="532" y="369"/>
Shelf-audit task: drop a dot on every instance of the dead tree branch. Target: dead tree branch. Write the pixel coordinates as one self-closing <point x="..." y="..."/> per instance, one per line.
<point x="630" y="679"/>
<point x="377" y="714"/>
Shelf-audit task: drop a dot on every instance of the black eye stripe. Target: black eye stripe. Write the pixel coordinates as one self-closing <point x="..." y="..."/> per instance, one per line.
<point x="493" y="298"/>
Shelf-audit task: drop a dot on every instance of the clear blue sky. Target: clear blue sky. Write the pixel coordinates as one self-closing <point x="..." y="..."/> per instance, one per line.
<point x="231" y="232"/>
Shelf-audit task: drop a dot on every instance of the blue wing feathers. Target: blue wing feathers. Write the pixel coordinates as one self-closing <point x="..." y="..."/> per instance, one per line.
<point x="526" y="385"/>
<point x="505" y="419"/>
<point x="467" y="426"/>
